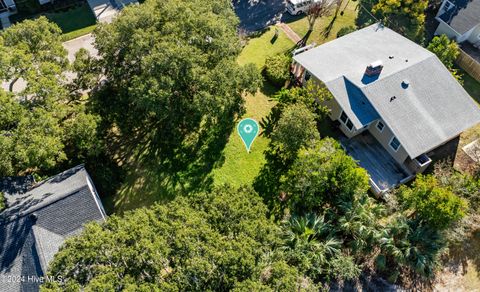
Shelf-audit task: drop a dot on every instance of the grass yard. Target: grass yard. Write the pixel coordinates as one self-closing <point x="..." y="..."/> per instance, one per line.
<point x="472" y="86"/>
<point x="241" y="167"/>
<point x="259" y="48"/>
<point x="74" y="22"/>
<point x="462" y="161"/>
<point x="78" y="33"/>
<point x="325" y="30"/>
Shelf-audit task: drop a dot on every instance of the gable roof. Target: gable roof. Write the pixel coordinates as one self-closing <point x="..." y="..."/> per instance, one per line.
<point x="463" y="16"/>
<point x="433" y="109"/>
<point x="38" y="221"/>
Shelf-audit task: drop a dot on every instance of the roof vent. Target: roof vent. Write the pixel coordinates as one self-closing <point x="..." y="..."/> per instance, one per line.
<point x="374" y="68"/>
<point x="391" y="57"/>
<point x="33" y="217"/>
<point x="393" y="98"/>
<point x="405" y="84"/>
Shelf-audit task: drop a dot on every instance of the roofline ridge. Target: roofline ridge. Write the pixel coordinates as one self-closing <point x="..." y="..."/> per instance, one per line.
<point x="387" y="76"/>
<point x="40" y="206"/>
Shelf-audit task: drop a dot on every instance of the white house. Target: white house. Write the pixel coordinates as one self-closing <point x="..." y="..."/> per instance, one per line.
<point x="460" y="20"/>
<point x="394" y="101"/>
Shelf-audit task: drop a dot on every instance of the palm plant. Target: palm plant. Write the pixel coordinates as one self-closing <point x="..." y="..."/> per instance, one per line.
<point x="409" y="244"/>
<point x="359" y="224"/>
<point x="304" y="229"/>
<point x="309" y="244"/>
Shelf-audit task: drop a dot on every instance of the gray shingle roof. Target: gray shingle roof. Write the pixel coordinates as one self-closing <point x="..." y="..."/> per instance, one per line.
<point x="62" y="205"/>
<point x="464" y="16"/>
<point x="353" y="101"/>
<point x="431" y="110"/>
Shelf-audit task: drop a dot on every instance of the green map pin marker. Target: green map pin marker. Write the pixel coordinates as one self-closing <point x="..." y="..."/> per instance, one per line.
<point x="248" y="131"/>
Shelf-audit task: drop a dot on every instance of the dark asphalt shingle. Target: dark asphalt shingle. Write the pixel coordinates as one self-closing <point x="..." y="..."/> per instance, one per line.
<point x="37" y="222"/>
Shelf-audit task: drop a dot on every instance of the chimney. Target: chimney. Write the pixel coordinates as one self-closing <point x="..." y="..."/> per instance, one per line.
<point x="374" y="68"/>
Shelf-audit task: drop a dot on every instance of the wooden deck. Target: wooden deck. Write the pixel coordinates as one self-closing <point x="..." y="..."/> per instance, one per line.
<point x="380" y="165"/>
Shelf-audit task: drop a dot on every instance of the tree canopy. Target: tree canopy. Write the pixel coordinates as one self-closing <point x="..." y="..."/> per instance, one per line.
<point x="324" y="174"/>
<point x="172" y="87"/>
<point x="406" y="17"/>
<point x="296" y="127"/>
<point x="209" y="242"/>
<point x="436" y="205"/>
<point x="291" y="125"/>
<point x="44" y="119"/>
<point x="447" y="51"/>
<point x="32" y="51"/>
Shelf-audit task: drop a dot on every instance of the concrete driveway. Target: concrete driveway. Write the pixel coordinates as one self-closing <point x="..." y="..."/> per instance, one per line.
<point x="86" y="42"/>
<point x="72" y="47"/>
<point x="257" y="14"/>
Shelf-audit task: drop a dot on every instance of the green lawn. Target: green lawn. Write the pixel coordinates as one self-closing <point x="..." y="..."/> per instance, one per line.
<point x="78" y="33"/>
<point x="74" y="22"/>
<point x="324" y="29"/>
<point x="241" y="167"/>
<point x="472" y="86"/>
<point x="259" y="48"/>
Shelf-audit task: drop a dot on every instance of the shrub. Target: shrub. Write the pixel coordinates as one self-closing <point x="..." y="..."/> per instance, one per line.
<point x="431" y="202"/>
<point x="277" y="69"/>
<point x="447" y="51"/>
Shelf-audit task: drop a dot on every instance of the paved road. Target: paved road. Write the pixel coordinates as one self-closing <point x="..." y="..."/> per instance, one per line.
<point x="257" y="14"/>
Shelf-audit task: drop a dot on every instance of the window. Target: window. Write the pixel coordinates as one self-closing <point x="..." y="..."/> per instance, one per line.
<point x="448" y="5"/>
<point x="344" y="117"/>
<point x="346" y="121"/>
<point x="380" y="126"/>
<point x="307" y="76"/>
<point x="395" y="144"/>
<point x="349" y="125"/>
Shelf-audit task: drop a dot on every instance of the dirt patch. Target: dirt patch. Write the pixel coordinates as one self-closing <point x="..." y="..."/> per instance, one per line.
<point x="465" y="280"/>
<point x="463" y="162"/>
<point x="473" y="150"/>
<point x="461" y="270"/>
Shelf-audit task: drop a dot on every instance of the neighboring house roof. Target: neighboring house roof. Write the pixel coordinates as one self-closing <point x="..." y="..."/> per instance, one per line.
<point x="463" y="15"/>
<point x="431" y="110"/>
<point x="37" y="222"/>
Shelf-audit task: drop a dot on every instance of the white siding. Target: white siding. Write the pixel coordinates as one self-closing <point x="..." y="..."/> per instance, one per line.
<point x="384" y="137"/>
<point x="475" y="35"/>
<point x="444" y="28"/>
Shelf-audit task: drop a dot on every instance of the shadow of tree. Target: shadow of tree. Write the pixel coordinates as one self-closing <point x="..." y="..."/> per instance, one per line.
<point x="160" y="179"/>
<point x="364" y="17"/>
<point x="303" y="42"/>
<point x="467" y="252"/>
<point x="328" y="29"/>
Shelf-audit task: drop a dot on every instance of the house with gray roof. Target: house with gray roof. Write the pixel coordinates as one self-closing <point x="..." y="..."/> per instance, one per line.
<point x="394" y="101"/>
<point x="460" y="20"/>
<point x="38" y="219"/>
